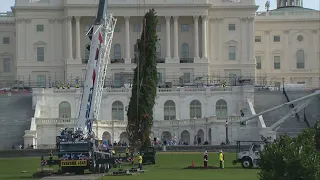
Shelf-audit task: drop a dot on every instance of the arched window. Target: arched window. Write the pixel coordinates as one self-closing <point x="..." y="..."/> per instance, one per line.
<point x="195" y="109"/>
<point x="300" y="59"/>
<point x="158" y="50"/>
<point x="117" y="111"/>
<point x="169" y="110"/>
<point x="185" y="50"/>
<point x="117" y="51"/>
<point x="221" y="109"/>
<point x="64" y="110"/>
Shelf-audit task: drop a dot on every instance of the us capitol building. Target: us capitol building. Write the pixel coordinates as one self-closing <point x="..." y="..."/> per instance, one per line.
<point x="203" y="43"/>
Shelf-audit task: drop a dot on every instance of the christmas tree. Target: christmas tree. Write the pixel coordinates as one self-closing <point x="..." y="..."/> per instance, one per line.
<point x="144" y="90"/>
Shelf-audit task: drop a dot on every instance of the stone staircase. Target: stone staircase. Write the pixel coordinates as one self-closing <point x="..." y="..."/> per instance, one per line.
<point x="15" y="115"/>
<point x="268" y="99"/>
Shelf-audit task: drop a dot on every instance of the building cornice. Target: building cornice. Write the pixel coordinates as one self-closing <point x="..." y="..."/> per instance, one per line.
<point x="71" y="6"/>
<point x="286" y="20"/>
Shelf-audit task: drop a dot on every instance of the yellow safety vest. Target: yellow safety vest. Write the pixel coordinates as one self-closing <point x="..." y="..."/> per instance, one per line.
<point x="221" y="157"/>
<point x="140" y="159"/>
<point x="127" y="150"/>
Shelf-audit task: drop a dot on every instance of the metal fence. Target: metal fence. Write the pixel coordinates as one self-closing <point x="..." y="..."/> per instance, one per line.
<point x="125" y="79"/>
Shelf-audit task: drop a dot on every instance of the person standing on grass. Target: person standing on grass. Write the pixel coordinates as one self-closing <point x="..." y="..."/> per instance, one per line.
<point x="221" y="159"/>
<point x="205" y="161"/>
<point x="140" y="161"/>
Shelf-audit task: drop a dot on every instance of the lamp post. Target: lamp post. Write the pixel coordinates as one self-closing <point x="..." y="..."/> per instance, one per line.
<point x="49" y="81"/>
<point x="282" y="84"/>
<point x="227" y="138"/>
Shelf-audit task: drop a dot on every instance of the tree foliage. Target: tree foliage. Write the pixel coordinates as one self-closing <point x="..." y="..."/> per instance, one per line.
<point x="140" y="111"/>
<point x="292" y="158"/>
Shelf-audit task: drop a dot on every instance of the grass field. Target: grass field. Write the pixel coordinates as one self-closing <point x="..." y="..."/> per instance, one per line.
<point x="169" y="166"/>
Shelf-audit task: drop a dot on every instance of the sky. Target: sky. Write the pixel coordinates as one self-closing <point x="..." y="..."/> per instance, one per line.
<point x="312" y="4"/>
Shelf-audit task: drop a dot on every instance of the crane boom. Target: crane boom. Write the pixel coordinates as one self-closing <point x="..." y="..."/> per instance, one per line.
<point x="101" y="35"/>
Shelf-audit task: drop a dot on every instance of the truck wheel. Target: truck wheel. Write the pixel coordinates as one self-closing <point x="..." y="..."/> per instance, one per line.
<point x="246" y="162"/>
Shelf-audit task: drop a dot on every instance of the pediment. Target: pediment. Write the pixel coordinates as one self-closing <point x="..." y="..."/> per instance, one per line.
<point x="6" y="54"/>
<point x="232" y="42"/>
<point x="40" y="43"/>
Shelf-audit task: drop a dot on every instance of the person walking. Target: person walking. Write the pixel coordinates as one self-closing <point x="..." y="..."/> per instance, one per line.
<point x="140" y="161"/>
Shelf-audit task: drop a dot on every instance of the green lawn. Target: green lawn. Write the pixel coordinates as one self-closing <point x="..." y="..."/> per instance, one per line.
<point x="168" y="167"/>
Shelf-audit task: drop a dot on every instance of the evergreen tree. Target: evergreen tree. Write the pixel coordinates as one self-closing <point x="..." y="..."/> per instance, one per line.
<point x="144" y="90"/>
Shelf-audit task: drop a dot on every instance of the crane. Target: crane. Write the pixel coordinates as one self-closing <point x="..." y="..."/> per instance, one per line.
<point x="268" y="134"/>
<point x="101" y="35"/>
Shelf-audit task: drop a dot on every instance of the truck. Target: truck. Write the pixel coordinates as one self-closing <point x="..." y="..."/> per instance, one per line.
<point x="250" y="158"/>
<point x="78" y="147"/>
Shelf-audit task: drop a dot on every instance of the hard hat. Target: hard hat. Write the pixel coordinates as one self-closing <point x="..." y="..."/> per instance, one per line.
<point x="221" y="151"/>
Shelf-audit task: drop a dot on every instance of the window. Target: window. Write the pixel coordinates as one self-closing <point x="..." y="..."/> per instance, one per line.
<point x="137" y="28"/>
<point x="221" y="109"/>
<point x="276" y="38"/>
<point x="41" y="81"/>
<point x="117" y="80"/>
<point x="160" y="77"/>
<point x="117" y="51"/>
<point x="169" y="110"/>
<point x="195" y="109"/>
<point x="232" y="27"/>
<point x="232" y="53"/>
<point x="300" y="59"/>
<point x="187" y="77"/>
<point x="184" y="27"/>
<point x="158" y="50"/>
<point x="276" y="63"/>
<point x="6" y="40"/>
<point x="185" y="51"/>
<point x="117" y="111"/>
<point x="258" y="61"/>
<point x="117" y="28"/>
<point x="64" y="110"/>
<point x="6" y="65"/>
<point x="40" y="53"/>
<point x="257" y="39"/>
<point x="158" y="28"/>
<point x="40" y="28"/>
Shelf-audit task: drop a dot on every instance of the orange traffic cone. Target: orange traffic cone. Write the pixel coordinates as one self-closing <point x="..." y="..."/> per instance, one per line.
<point x="192" y="163"/>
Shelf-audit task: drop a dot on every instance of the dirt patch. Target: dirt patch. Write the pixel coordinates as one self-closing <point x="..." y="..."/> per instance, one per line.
<point x="181" y="152"/>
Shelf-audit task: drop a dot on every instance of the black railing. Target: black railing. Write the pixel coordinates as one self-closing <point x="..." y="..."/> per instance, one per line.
<point x="186" y="60"/>
<point x="117" y="60"/>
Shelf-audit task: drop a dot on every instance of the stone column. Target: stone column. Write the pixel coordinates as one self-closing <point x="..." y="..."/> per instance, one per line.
<point x="268" y="61"/>
<point x="286" y="54"/>
<point x="244" y="39"/>
<point x="168" y="49"/>
<point x="78" y="49"/>
<point x="176" y="38"/>
<point x="20" y="37"/>
<point x="51" y="43"/>
<point x="196" y="37"/>
<point x="251" y="34"/>
<point x="221" y="38"/>
<point x="127" y="39"/>
<point x="27" y="22"/>
<point x="204" y="36"/>
<point x="69" y="37"/>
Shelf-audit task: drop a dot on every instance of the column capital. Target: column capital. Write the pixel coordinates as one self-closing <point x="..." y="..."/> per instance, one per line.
<point x="68" y="18"/>
<point x="27" y="20"/>
<point x="286" y="31"/>
<point x="195" y="17"/>
<point x="19" y="20"/>
<point x="52" y="20"/>
<point x="175" y="18"/>
<point x="77" y="18"/>
<point x="127" y="18"/>
<point x="267" y="31"/>
<point x="168" y="18"/>
<point x="204" y="17"/>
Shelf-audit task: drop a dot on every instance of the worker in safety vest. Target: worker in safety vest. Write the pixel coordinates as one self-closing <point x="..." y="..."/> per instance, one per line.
<point x="140" y="161"/>
<point x="62" y="85"/>
<point x="58" y="85"/>
<point x="127" y="151"/>
<point x="68" y="85"/>
<point x="51" y="157"/>
<point x="77" y="85"/>
<point x="221" y="159"/>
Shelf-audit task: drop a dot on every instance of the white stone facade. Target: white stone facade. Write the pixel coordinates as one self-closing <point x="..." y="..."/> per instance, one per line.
<point x="179" y="112"/>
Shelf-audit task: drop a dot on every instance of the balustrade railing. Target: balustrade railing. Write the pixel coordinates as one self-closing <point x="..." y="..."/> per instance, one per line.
<point x="156" y="123"/>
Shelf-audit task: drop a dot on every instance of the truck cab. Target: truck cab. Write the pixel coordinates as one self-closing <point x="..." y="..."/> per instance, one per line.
<point x="249" y="158"/>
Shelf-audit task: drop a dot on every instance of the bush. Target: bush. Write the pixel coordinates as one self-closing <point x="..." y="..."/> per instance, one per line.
<point x="292" y="158"/>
